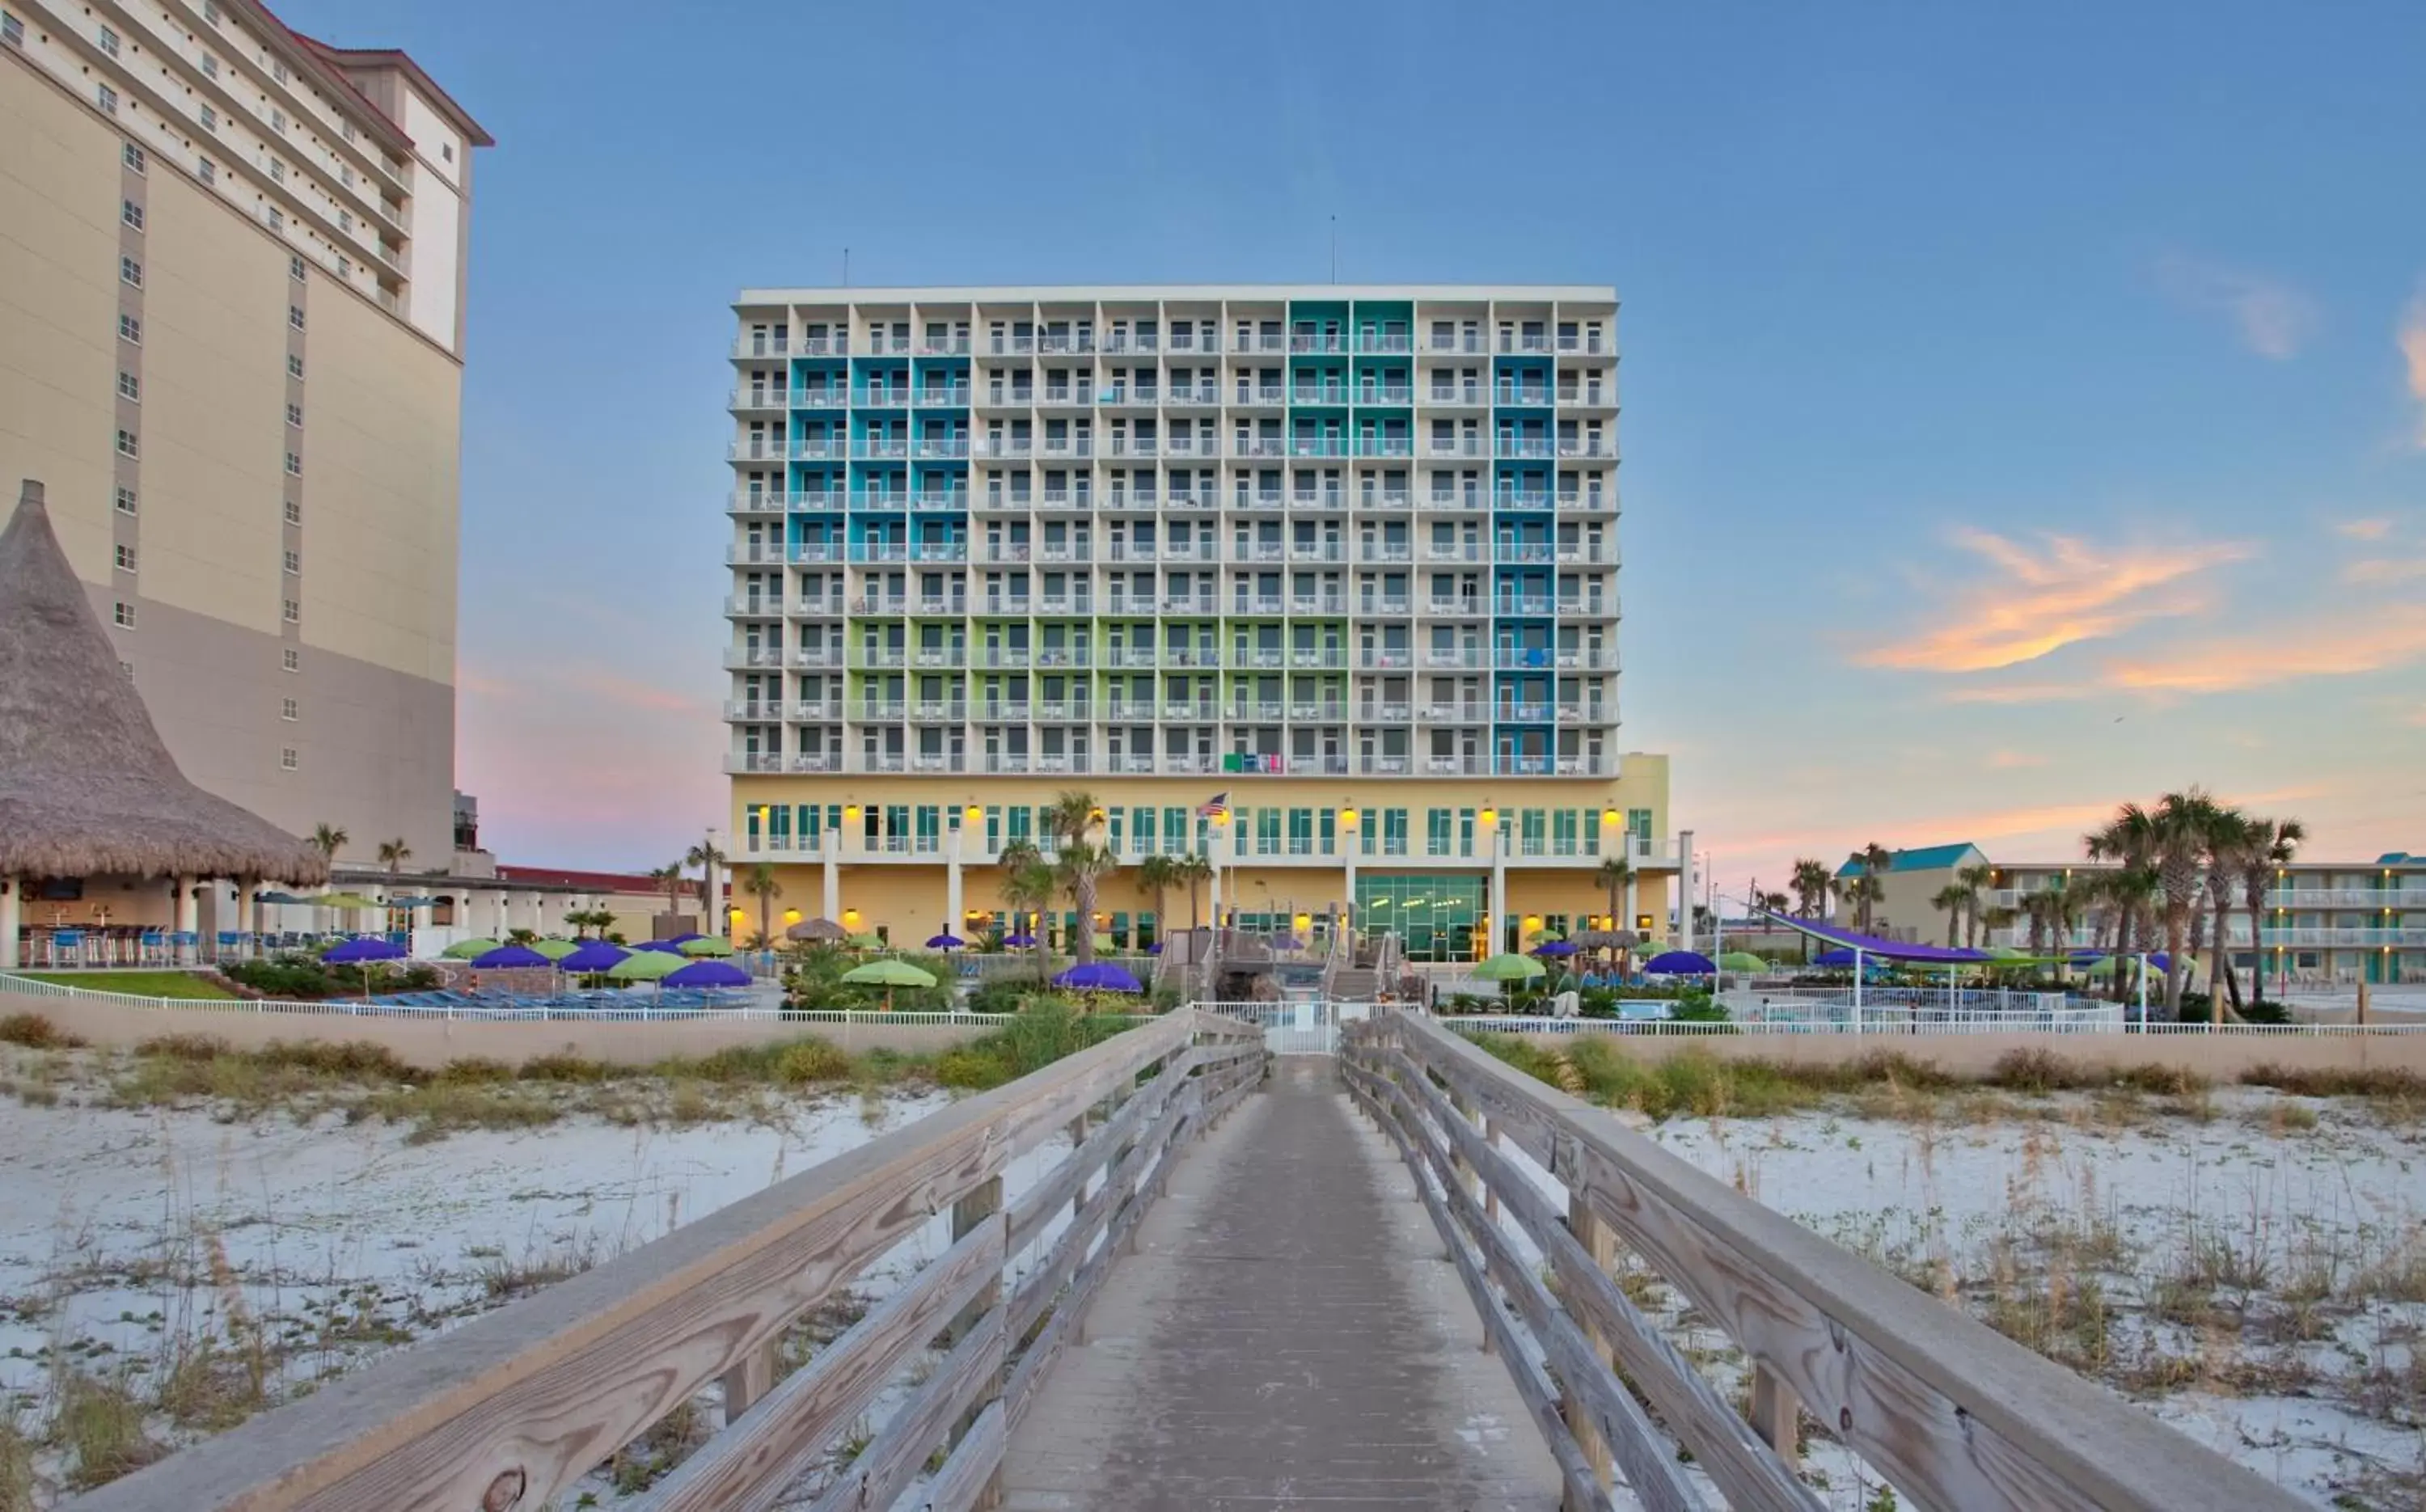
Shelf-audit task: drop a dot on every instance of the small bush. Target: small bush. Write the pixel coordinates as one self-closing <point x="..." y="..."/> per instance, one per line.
<point x="2035" y="1070"/>
<point x="2366" y="1081"/>
<point x="474" y="1069"/>
<point x="359" y="1059"/>
<point x="35" y="1032"/>
<point x="564" y="1066"/>
<point x="812" y="1060"/>
<point x="2164" y="1081"/>
<point x="185" y="1047"/>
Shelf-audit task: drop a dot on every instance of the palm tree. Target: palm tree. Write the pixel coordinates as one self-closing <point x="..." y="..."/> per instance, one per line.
<point x="1028" y="884"/>
<point x="2185" y="823"/>
<point x="393" y="854"/>
<point x="1155" y="875"/>
<point x="1074" y="818"/>
<point x="1615" y="872"/>
<point x="1995" y="917"/>
<point x="707" y="858"/>
<point x="1772" y="901"/>
<point x="328" y="839"/>
<point x="1861" y="891"/>
<point x="669" y="881"/>
<point x="2231" y="833"/>
<point x="1952" y="900"/>
<point x="1196" y="871"/>
<point x="763" y="886"/>
<point x="1017" y="854"/>
<point x="1810" y="886"/>
<point x="1974" y="882"/>
<point x="1875" y="859"/>
<point x="2126" y="840"/>
<point x="2272" y="843"/>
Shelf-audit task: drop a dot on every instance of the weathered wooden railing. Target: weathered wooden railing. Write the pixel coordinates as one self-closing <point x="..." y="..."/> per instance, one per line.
<point x="1949" y="1412"/>
<point x="507" y="1410"/>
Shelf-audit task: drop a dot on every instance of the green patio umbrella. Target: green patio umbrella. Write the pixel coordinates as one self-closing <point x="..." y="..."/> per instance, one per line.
<point x="706" y="946"/>
<point x="865" y="943"/>
<point x="554" y="949"/>
<point x="1741" y="961"/>
<point x="1510" y="968"/>
<point x="888" y="974"/>
<point x="341" y="900"/>
<point x="466" y="949"/>
<point x="645" y="966"/>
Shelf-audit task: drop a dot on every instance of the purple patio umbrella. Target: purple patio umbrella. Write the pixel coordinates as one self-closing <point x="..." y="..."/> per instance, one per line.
<point x="362" y="953"/>
<point x="1841" y="956"/>
<point x="670" y="946"/>
<point x="1155" y="949"/>
<point x="1099" y="976"/>
<point x="1019" y="942"/>
<point x="709" y="972"/>
<point x="683" y="939"/>
<point x="1554" y="947"/>
<point x="596" y="955"/>
<point x="506" y="957"/>
<point x="1679" y="963"/>
<point x="947" y="941"/>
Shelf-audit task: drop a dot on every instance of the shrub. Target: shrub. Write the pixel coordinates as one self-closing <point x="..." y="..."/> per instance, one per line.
<point x="2035" y="1070"/>
<point x="359" y="1059"/>
<point x="564" y="1066"/>
<point x="474" y="1069"/>
<point x="1699" y="1007"/>
<point x="185" y="1047"/>
<point x="1004" y="994"/>
<point x="812" y="1060"/>
<point x="35" y="1032"/>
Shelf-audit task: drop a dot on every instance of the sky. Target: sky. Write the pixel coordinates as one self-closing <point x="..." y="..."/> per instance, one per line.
<point x="2024" y="407"/>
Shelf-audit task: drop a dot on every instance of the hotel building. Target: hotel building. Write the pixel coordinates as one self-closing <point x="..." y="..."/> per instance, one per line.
<point x="2323" y="922"/>
<point x="231" y="346"/>
<point x="1347" y="554"/>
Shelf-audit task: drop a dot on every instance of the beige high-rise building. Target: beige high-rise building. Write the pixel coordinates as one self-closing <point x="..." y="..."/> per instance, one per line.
<point x="232" y="271"/>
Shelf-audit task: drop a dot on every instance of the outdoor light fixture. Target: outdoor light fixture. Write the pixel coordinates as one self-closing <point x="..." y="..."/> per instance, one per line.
<point x="974" y="814"/>
<point x="1533" y="921"/>
<point x="850" y="811"/>
<point x="791" y="916"/>
<point x="1305" y="921"/>
<point x="1490" y="817"/>
<point x="1348" y="817"/>
<point x="1609" y="816"/>
<point x="851" y="916"/>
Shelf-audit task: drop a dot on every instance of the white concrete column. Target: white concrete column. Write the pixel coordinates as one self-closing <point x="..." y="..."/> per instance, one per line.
<point x="188" y="917"/>
<point x="954" y="904"/>
<point x="12" y="891"/>
<point x="1498" y="888"/>
<point x="1687" y="888"/>
<point x="829" y="842"/>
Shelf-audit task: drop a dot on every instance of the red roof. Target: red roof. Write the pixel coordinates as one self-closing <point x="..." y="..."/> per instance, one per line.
<point x="578" y="881"/>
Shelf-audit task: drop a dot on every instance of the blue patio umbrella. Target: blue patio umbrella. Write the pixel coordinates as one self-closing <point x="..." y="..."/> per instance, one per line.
<point x="1679" y="963"/>
<point x="363" y="952"/>
<point x="1841" y="956"/>
<point x="507" y="956"/>
<point x="594" y="955"/>
<point x="1155" y="949"/>
<point x="947" y="941"/>
<point x="1099" y="976"/>
<point x="1019" y="942"/>
<point x="1554" y="947"/>
<point x="671" y="947"/>
<point x="683" y="939"/>
<point x="709" y="972"/>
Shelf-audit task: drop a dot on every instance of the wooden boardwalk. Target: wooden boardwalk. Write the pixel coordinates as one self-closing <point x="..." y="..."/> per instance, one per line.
<point x="1288" y="1334"/>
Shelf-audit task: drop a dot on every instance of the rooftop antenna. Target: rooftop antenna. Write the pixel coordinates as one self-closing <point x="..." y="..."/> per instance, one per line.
<point x="845" y="267"/>
<point x="1334" y="246"/>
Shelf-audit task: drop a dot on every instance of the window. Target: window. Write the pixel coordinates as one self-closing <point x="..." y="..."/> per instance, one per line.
<point x="295" y="265"/>
<point x="294" y="563"/>
<point x="295" y="414"/>
<point x="130" y="272"/>
<point x="287" y="710"/>
<point x="131" y="213"/>
<point x="126" y="443"/>
<point x="276" y="218"/>
<point x="133" y="156"/>
<point x="210" y="67"/>
<point x="346" y="217"/>
<point x="294" y="513"/>
<point x="294" y="465"/>
<point x="209" y="171"/>
<point x="109" y="42"/>
<point x="122" y="614"/>
<point x="12" y="31"/>
<point x="130" y="331"/>
<point x="291" y="612"/>
<point x="446" y="151"/>
<point x="286" y="761"/>
<point x="211" y="12"/>
<point x="127" y="558"/>
<point x="129" y="386"/>
<point x="293" y="367"/>
<point x="127" y="501"/>
<point x="126" y="670"/>
<point x="106" y="98"/>
<point x="277" y="117"/>
<point x="210" y="117"/>
<point x="291" y="659"/>
<point x="277" y="171"/>
<point x="294" y="316"/>
<point x="278" y="72"/>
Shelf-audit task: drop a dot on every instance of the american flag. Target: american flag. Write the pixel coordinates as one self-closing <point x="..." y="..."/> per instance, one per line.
<point x="1215" y="807"/>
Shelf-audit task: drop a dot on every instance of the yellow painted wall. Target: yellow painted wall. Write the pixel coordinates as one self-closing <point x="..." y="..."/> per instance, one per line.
<point x="215" y="432"/>
<point x="380" y="483"/>
<point x="59" y="309"/>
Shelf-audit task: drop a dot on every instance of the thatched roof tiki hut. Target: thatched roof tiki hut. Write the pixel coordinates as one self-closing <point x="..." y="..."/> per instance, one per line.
<point x="86" y="789"/>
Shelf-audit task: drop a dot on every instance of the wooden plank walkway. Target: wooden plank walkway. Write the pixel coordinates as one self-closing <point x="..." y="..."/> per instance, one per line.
<point x="1289" y="1334"/>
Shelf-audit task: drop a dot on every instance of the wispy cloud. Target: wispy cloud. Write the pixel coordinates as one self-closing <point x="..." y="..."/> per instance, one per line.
<point x="2036" y="602"/>
<point x="2385" y="569"/>
<point x="2273" y="318"/>
<point x="2011" y="760"/>
<point x="2373" y="528"/>
<point x="2411" y="338"/>
<point x="2380" y="637"/>
<point x="2017" y="693"/>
